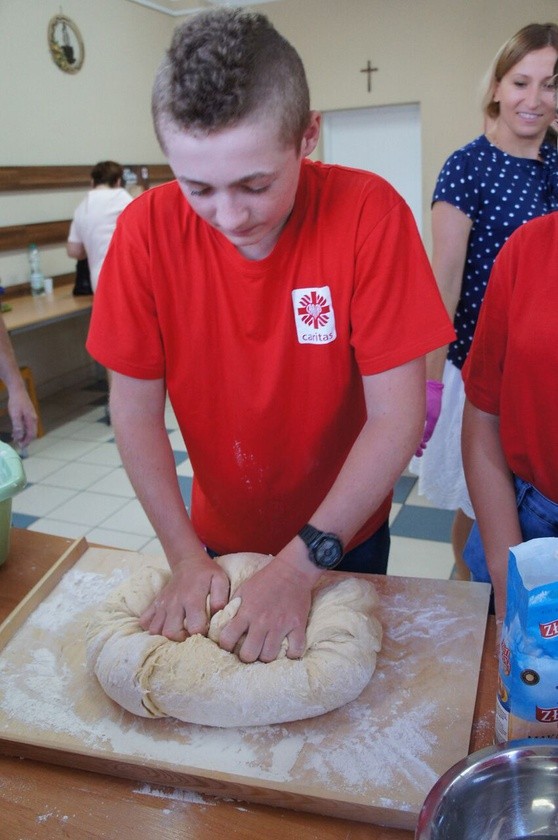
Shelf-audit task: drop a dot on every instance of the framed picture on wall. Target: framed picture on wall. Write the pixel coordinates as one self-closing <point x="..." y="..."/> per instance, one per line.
<point x="65" y="44"/>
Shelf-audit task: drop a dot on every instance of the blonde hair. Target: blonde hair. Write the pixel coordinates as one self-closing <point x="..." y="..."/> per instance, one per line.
<point x="534" y="36"/>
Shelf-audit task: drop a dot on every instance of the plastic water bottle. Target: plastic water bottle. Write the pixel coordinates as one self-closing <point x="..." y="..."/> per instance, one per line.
<point x="37" y="280"/>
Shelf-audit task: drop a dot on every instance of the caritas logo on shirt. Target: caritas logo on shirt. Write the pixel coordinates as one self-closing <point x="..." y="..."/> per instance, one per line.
<point x="314" y="316"/>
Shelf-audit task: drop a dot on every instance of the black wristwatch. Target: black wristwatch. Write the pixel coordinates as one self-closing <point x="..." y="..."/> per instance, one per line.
<point x="324" y="550"/>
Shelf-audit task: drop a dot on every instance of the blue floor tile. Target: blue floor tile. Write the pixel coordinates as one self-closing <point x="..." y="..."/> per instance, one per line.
<point x="179" y="457"/>
<point x="423" y="523"/>
<point x="185" y="483"/>
<point x="23" y="520"/>
<point x="403" y="488"/>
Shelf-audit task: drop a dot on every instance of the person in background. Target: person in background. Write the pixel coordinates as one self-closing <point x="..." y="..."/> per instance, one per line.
<point x="94" y="222"/>
<point x="485" y="191"/>
<point x="95" y="217"/>
<point x="510" y="442"/>
<point x="20" y="408"/>
<point x="286" y="306"/>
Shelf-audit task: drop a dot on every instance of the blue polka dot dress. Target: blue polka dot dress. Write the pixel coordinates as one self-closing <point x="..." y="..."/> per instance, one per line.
<point x="498" y="192"/>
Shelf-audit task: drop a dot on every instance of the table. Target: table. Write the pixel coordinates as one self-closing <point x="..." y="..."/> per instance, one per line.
<point x="29" y="312"/>
<point x="44" y="801"/>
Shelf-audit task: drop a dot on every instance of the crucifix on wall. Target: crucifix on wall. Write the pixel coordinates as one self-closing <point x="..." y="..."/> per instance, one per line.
<point x="369" y="70"/>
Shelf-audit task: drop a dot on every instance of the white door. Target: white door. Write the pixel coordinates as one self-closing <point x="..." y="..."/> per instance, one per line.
<point x="385" y="140"/>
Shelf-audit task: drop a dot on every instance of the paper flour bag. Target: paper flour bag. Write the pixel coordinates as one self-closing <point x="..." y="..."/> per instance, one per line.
<point x="527" y="704"/>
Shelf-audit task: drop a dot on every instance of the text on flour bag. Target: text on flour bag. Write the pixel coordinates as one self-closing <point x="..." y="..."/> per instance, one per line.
<point x="527" y="702"/>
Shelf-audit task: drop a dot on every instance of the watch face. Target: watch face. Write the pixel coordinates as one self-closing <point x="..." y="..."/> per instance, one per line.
<point x="328" y="552"/>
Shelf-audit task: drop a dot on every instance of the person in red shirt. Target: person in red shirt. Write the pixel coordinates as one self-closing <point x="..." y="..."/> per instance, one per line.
<point x="510" y="445"/>
<point x="285" y="307"/>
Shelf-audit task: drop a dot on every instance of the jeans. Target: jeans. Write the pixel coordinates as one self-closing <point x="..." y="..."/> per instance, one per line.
<point x="538" y="517"/>
<point x="370" y="557"/>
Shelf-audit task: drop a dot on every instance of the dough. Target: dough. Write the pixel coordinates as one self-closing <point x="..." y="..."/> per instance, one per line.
<point x="198" y="682"/>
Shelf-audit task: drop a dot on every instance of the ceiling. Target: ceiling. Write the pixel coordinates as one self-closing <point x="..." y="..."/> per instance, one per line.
<point x="176" y="8"/>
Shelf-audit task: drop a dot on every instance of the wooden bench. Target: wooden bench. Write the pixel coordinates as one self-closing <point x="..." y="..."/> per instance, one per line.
<point x="27" y="312"/>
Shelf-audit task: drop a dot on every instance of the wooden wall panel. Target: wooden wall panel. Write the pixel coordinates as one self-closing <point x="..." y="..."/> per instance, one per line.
<point x="18" y="237"/>
<point x="30" y="178"/>
<point x="18" y="178"/>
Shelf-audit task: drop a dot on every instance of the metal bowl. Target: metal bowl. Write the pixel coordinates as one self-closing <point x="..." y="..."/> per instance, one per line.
<point x="499" y="793"/>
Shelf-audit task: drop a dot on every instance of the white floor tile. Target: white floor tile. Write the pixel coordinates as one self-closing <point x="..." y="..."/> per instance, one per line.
<point x="420" y="558"/>
<point x="105" y="453"/>
<point x="87" y="508"/>
<point x="177" y="441"/>
<point x="37" y="468"/>
<point x="420" y="501"/>
<point x="38" y="500"/>
<point x="59" y="529"/>
<point x="130" y="519"/>
<point x="38" y="446"/>
<point x="66" y="450"/>
<point x="99" y="432"/>
<point x="115" y="539"/>
<point x="185" y="468"/>
<point x="114" y="483"/>
<point x="395" y="508"/>
<point x="170" y="417"/>
<point x="77" y="476"/>
<point x="153" y="548"/>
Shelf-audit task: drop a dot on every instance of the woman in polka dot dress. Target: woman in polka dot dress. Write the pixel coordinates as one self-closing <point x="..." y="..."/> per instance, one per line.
<point x="485" y="191"/>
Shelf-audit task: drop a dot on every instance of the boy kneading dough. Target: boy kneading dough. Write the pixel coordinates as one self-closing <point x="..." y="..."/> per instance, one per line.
<point x="285" y="306"/>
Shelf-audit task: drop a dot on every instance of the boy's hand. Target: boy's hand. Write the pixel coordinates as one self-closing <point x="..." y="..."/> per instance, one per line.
<point x="275" y="605"/>
<point x="180" y="610"/>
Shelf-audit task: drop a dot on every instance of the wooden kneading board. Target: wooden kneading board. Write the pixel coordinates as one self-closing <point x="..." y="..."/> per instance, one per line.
<point x="373" y="760"/>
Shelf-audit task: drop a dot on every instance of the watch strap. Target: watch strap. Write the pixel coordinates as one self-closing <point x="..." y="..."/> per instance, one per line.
<point x="308" y="533"/>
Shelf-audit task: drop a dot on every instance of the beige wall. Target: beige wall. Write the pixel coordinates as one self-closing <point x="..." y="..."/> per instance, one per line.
<point x="51" y="117"/>
<point x="434" y="52"/>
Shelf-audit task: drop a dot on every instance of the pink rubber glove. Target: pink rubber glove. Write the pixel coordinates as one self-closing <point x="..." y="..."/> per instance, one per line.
<point x="433" y="407"/>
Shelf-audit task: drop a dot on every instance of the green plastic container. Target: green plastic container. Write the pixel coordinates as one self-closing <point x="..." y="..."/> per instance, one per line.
<point x="12" y="481"/>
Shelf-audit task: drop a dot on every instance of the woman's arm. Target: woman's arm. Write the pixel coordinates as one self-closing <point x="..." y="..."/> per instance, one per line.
<point x="450" y="235"/>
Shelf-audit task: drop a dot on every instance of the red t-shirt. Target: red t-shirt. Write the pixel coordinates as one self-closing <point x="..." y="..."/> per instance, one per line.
<point x="511" y="368"/>
<point x="263" y="359"/>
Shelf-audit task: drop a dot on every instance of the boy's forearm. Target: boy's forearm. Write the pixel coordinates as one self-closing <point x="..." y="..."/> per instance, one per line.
<point x="395" y="402"/>
<point x="147" y="457"/>
<point x="492" y="492"/>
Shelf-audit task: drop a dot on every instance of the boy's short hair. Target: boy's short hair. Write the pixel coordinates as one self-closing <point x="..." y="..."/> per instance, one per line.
<point x="106" y="172"/>
<point x="224" y="66"/>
